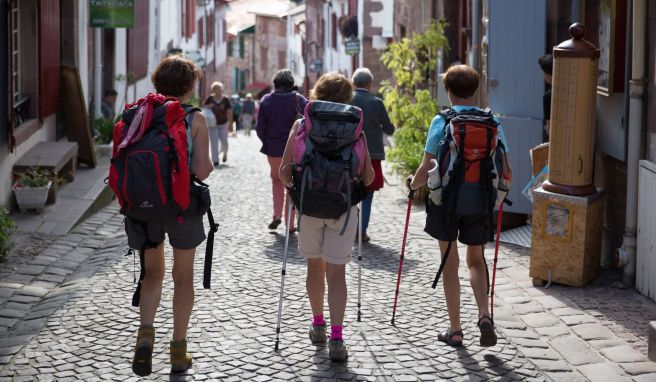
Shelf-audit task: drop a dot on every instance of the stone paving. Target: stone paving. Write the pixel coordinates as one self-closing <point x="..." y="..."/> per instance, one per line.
<point x="66" y="313"/>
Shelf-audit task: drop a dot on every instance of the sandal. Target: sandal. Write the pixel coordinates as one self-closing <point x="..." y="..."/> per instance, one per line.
<point x="488" y="335"/>
<point x="447" y="337"/>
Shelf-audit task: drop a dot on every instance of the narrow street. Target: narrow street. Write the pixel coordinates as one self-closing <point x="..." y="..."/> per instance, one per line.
<point x="91" y="334"/>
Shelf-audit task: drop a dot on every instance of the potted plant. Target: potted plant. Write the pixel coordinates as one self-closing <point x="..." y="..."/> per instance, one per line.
<point x="103" y="129"/>
<point x="31" y="187"/>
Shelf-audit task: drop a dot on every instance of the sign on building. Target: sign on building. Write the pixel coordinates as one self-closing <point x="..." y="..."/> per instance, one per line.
<point x="352" y="46"/>
<point x="111" y="13"/>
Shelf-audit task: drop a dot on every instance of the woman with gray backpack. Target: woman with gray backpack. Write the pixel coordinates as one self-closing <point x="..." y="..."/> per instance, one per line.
<point x="326" y="166"/>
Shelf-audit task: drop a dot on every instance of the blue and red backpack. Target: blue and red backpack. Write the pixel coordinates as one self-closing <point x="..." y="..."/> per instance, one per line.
<point x="150" y="170"/>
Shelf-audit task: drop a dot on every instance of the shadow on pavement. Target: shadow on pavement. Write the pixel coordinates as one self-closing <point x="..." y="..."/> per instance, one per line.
<point x="375" y="256"/>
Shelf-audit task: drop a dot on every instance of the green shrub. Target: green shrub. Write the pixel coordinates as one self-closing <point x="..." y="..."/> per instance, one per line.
<point x="411" y="106"/>
<point x="6" y="229"/>
<point x="34" y="176"/>
<point x="103" y="129"/>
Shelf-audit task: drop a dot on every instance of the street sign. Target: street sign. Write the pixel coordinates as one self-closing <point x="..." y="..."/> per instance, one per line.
<point x="111" y="13"/>
<point x="352" y="46"/>
<point x="316" y="65"/>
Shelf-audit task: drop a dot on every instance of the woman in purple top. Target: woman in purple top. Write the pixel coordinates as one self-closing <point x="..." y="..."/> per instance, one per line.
<point x="278" y="111"/>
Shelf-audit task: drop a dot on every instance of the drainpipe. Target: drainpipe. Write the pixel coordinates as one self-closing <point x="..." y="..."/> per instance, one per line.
<point x="626" y="255"/>
<point x="4" y="76"/>
<point x="97" y="73"/>
<point x="476" y="34"/>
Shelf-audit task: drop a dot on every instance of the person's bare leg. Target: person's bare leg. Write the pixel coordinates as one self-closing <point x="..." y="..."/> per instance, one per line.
<point x="478" y="277"/>
<point x="315" y="284"/>
<point x="336" y="276"/>
<point x="451" y="282"/>
<point x="151" y="285"/>
<point x="183" y="290"/>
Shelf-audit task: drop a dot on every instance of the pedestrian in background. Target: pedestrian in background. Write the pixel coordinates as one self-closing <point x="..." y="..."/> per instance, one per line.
<point x="248" y="114"/>
<point x="174" y="77"/>
<point x="546" y="65"/>
<point x="443" y="222"/>
<point x="320" y="241"/>
<point x="236" y="113"/>
<point x="376" y="122"/>
<point x="108" y="103"/>
<point x="222" y="109"/>
<point x="276" y="115"/>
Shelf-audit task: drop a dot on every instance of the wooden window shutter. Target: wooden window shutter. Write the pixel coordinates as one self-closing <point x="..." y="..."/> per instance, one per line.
<point x="200" y="33"/>
<point x="49" y="59"/>
<point x="192" y="18"/>
<point x="138" y="40"/>
<point x="241" y="46"/>
<point x="333" y="30"/>
<point x="183" y="18"/>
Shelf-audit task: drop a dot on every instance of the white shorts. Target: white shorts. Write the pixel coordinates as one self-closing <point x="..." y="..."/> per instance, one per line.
<point x="320" y="238"/>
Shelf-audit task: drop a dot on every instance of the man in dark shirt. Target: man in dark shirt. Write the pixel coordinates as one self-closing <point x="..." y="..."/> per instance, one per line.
<point x="546" y="64"/>
<point x="376" y="122"/>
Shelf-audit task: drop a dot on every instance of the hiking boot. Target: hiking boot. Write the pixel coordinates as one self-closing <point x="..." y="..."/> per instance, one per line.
<point x="275" y="223"/>
<point x="142" y="363"/>
<point x="337" y="351"/>
<point x="180" y="359"/>
<point x="318" y="334"/>
<point x="216" y="164"/>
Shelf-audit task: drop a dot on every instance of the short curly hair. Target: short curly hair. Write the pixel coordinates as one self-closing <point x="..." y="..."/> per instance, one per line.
<point x="175" y="76"/>
<point x="333" y="87"/>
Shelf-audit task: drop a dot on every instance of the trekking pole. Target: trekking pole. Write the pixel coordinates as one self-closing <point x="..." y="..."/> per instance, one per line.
<point x="360" y="263"/>
<point x="282" y="274"/>
<point x="411" y="194"/>
<point x="496" y="256"/>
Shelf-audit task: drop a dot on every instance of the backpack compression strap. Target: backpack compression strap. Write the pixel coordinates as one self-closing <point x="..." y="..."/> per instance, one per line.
<point x="209" y="243"/>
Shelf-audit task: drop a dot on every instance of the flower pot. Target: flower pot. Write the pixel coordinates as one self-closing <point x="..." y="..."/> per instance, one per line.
<point x="104" y="149"/>
<point x="32" y="197"/>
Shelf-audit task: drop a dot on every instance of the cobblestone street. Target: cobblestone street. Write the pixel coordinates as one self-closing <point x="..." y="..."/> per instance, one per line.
<point x="65" y="314"/>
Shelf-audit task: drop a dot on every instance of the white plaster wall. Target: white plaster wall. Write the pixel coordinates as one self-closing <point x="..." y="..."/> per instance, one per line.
<point x="384" y="18"/>
<point x="83" y="48"/>
<point x="47" y="132"/>
<point x="610" y="131"/>
<point x="335" y="59"/>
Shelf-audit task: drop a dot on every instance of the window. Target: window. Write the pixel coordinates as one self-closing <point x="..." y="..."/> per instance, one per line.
<point x="241" y="46"/>
<point x="263" y="58"/>
<point x="34" y="65"/>
<point x="230" y="47"/>
<point x="201" y="32"/>
<point x="138" y="41"/>
<point x="15" y="57"/>
<point x="282" y="59"/>
<point x="188" y="20"/>
<point x="333" y="30"/>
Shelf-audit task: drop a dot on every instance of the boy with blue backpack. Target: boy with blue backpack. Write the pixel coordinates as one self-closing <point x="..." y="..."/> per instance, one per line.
<point x="468" y="175"/>
<point x="326" y="165"/>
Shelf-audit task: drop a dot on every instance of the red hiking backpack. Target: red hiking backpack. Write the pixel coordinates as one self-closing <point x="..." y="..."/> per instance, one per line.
<point x="150" y="170"/>
<point x="471" y="175"/>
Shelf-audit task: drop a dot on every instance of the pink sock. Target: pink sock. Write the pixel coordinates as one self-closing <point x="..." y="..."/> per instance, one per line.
<point x="336" y="332"/>
<point x="318" y="320"/>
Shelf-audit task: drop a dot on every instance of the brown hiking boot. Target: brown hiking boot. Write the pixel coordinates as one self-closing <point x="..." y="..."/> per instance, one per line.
<point x="180" y="359"/>
<point x="142" y="363"/>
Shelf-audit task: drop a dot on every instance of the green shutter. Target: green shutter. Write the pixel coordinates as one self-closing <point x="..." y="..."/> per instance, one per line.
<point x="241" y="46"/>
<point x="229" y="48"/>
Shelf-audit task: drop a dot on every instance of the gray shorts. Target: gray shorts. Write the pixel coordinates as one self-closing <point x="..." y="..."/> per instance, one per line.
<point x="184" y="233"/>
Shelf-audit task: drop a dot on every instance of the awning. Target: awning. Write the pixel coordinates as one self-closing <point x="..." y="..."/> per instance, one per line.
<point x="258" y="89"/>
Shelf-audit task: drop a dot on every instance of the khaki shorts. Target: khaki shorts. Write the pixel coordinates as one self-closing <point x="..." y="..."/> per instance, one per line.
<point x="320" y="238"/>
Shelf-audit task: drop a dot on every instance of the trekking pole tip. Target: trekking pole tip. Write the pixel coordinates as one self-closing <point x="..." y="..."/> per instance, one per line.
<point x="275" y="348"/>
<point x="359" y="316"/>
<point x="393" y="321"/>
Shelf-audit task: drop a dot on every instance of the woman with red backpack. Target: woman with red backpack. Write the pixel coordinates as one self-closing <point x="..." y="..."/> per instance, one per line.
<point x="160" y="144"/>
<point x="326" y="241"/>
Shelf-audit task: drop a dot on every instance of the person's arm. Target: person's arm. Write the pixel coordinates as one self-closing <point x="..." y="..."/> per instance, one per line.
<point x="385" y="122"/>
<point x="421" y="175"/>
<point x="285" y="171"/>
<point x="201" y="164"/>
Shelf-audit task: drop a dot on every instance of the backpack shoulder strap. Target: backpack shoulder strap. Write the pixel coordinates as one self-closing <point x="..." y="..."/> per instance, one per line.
<point x="189" y="111"/>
